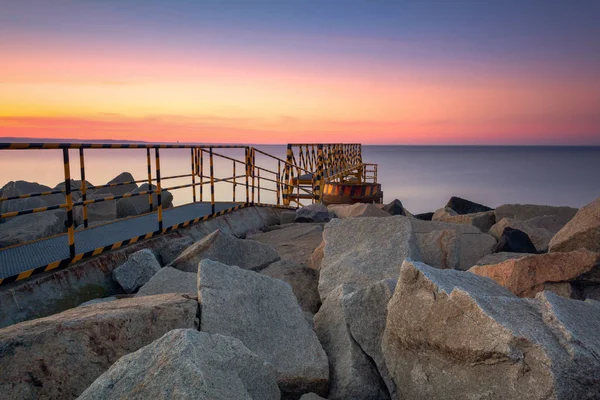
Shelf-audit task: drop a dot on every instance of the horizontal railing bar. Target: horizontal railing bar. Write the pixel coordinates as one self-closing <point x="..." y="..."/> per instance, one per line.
<point x="32" y="210"/>
<point x="50" y="146"/>
<point x="25" y="196"/>
<point x="115" y="197"/>
<point x="175" y="177"/>
<point x="224" y="156"/>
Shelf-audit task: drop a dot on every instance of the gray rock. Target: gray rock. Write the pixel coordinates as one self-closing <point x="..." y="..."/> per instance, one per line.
<point x="287" y="217"/>
<point x="394" y="208"/>
<point x="173" y="249"/>
<point x="103" y="211"/>
<point x="462" y="206"/>
<point x="357" y="210"/>
<point x="137" y="271"/>
<point x="263" y="313"/>
<point x="98" y="301"/>
<point x="122" y="189"/>
<point x="316" y="258"/>
<point x="583" y="231"/>
<point x="451" y="246"/>
<point x="366" y="313"/>
<point x="482" y="220"/>
<point x="137" y="205"/>
<point x="455" y="335"/>
<point x="303" y="281"/>
<point x="311" y="396"/>
<point x="85" y="341"/>
<point x="187" y="364"/>
<point x="295" y="242"/>
<point x="540" y="237"/>
<point x="170" y="280"/>
<point x="312" y="213"/>
<point x="353" y="375"/>
<point x="18" y="188"/>
<point x="25" y="228"/>
<point x="523" y="212"/>
<point x="497" y="258"/>
<point x="362" y="251"/>
<point x="221" y="247"/>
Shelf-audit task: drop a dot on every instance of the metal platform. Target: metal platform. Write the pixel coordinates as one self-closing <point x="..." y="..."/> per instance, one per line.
<point x="15" y="260"/>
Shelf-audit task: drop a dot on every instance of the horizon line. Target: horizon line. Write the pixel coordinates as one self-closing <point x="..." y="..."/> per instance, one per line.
<point x="11" y="139"/>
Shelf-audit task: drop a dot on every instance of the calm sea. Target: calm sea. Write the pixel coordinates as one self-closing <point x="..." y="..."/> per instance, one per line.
<point x="422" y="177"/>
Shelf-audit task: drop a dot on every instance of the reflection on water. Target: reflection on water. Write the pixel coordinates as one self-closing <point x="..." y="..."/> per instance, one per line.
<point x="423" y="177"/>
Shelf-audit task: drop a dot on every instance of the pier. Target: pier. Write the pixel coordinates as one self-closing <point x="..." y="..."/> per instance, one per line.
<point x="297" y="180"/>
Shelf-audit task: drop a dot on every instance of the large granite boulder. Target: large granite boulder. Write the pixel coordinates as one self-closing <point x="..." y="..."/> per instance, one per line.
<point x="172" y="249"/>
<point x="170" y="280"/>
<point x="28" y="227"/>
<point x="304" y="282"/>
<point x="187" y="364"/>
<point x="76" y="192"/>
<point x="456" y="335"/>
<point x="353" y="375"/>
<point x="264" y="314"/>
<point x="316" y="258"/>
<point x="529" y="275"/>
<point x="221" y="247"/>
<point x="131" y="206"/>
<point x="294" y="242"/>
<point x="357" y="210"/>
<point x="483" y="220"/>
<point x="120" y="189"/>
<point x="462" y="206"/>
<point x="103" y="211"/>
<point x="351" y="329"/>
<point x="583" y="231"/>
<point x="497" y="258"/>
<point x="451" y="246"/>
<point x="137" y="270"/>
<point x="18" y="188"/>
<point x="540" y="237"/>
<point x="362" y="251"/>
<point x="524" y="212"/>
<point x="59" y="356"/>
<point x="395" y="208"/>
<point x="514" y="241"/>
<point x="313" y="213"/>
<point x="428" y="216"/>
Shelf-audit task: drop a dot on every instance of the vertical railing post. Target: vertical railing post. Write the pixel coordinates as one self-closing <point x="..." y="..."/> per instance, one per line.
<point x="158" y="190"/>
<point x="319" y="178"/>
<point x="192" y="155"/>
<point x="212" y="183"/>
<point x="234" y="183"/>
<point x="83" y="187"/>
<point x="69" y="201"/>
<point x="201" y="174"/>
<point x="286" y="175"/>
<point x="252" y="160"/>
<point x="298" y="186"/>
<point x="278" y="183"/>
<point x="149" y="162"/>
<point x="258" y="183"/>
<point x="247" y="153"/>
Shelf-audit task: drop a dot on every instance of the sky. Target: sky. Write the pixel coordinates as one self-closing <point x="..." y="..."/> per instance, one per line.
<point x="260" y="71"/>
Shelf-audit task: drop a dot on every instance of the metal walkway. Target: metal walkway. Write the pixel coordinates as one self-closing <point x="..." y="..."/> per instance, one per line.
<point x="45" y="252"/>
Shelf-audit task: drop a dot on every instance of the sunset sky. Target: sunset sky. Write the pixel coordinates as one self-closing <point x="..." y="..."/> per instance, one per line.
<point x="258" y="71"/>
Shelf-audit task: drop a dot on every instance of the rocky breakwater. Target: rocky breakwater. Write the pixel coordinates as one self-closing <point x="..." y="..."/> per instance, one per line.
<point x="225" y="317"/>
<point x="25" y="228"/>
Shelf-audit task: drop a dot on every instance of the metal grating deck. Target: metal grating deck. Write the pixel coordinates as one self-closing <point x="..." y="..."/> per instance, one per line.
<point x="15" y="260"/>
